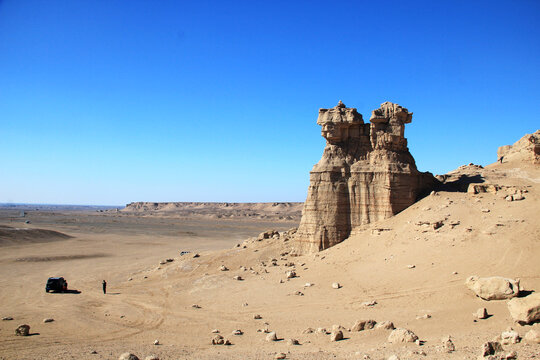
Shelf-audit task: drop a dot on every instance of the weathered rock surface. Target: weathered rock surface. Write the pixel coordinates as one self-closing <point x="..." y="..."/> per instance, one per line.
<point x="336" y="335"/>
<point x="525" y="310"/>
<point x="361" y="325"/>
<point x="366" y="174"/>
<point x="128" y="356"/>
<point x="533" y="336"/>
<point x="493" y="288"/>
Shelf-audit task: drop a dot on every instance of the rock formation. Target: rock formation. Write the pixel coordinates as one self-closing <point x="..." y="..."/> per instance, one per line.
<point x="527" y="148"/>
<point x="366" y="174"/>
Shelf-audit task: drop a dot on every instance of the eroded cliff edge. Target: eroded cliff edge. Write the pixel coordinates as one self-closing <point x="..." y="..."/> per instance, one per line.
<point x="366" y="174"/>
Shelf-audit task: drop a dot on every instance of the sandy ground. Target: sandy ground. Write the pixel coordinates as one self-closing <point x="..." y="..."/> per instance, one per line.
<point x="147" y="300"/>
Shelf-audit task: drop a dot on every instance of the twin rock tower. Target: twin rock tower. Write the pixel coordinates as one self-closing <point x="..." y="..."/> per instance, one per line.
<point x="366" y="174"/>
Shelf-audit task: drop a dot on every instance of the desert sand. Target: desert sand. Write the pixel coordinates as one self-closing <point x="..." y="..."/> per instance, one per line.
<point x="409" y="269"/>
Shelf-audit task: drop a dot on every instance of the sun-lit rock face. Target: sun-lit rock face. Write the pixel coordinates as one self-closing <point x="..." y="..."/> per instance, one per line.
<point x="366" y="174"/>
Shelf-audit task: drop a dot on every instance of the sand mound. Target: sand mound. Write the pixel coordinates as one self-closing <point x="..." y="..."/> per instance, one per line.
<point x="11" y="236"/>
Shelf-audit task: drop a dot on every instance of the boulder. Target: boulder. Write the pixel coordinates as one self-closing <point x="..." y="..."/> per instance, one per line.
<point x="388" y="325"/>
<point x="336" y="335"/>
<point x="22" y="330"/>
<point x="366" y="174"/>
<point x="493" y="288"/>
<point x="128" y="356"/>
<point x="533" y="336"/>
<point x="525" y="310"/>
<point x="402" y="336"/>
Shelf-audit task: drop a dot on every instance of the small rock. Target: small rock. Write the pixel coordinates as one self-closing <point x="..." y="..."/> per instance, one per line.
<point x="257" y="317"/>
<point x="336" y="285"/>
<point x="481" y="313"/>
<point x="218" y="340"/>
<point x="533" y="336"/>
<point x="393" y="357"/>
<point x="128" y="356"/>
<point x="336" y="335"/>
<point x="322" y="331"/>
<point x="411" y="266"/>
<point x="493" y="288"/>
<point x="299" y="293"/>
<point x="195" y="306"/>
<point x="308" y="284"/>
<point x="292" y="342"/>
<point x="223" y="268"/>
<point x="237" y="277"/>
<point x="510" y="336"/>
<point x="369" y="303"/>
<point x="22" y="330"/>
<point x="280" y="356"/>
<point x="291" y="274"/>
<point x="510" y="356"/>
<point x="388" y="325"/>
<point x="7" y="318"/>
<point x="156" y="342"/>
<point x="237" y="332"/>
<point x="485" y="210"/>
<point x="308" y="331"/>
<point x="271" y="336"/>
<point x="227" y="342"/>
<point x="93" y="352"/>
<point x="423" y="317"/>
<point x="448" y="345"/>
<point x="196" y="255"/>
<point x="48" y="320"/>
<point x="215" y="331"/>
<point x="402" y="335"/>
<point x="361" y="325"/>
<point x="151" y="357"/>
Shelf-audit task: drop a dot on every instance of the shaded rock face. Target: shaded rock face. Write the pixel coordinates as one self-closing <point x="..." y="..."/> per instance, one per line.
<point x="366" y="174"/>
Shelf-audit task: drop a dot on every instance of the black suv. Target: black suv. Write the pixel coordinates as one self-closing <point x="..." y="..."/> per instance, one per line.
<point x="56" y="284"/>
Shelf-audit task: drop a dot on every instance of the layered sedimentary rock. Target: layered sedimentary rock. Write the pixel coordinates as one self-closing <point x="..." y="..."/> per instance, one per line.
<point x="366" y="174"/>
<point x="527" y="148"/>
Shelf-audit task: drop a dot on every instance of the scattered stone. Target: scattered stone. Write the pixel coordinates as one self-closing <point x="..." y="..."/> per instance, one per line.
<point x="196" y="255"/>
<point x="271" y="336"/>
<point x="291" y="274"/>
<point x="388" y="325"/>
<point x="493" y="288"/>
<point x="48" y="320"/>
<point x="128" y="356"/>
<point x="7" y="318"/>
<point x="280" y="356"/>
<point x="411" y="266"/>
<point x="227" y="342"/>
<point x="223" y="268"/>
<point x="257" y="317"/>
<point x="238" y="332"/>
<point x="491" y="348"/>
<point x="238" y="278"/>
<point x="308" y="331"/>
<point x="510" y="336"/>
<point x="195" y="306"/>
<point x="525" y="310"/>
<point x="393" y="357"/>
<point x="481" y="313"/>
<point x="485" y="210"/>
<point x="308" y="284"/>
<point x="533" y="336"/>
<point x="151" y="357"/>
<point x="322" y="331"/>
<point x="292" y="342"/>
<point x="361" y="325"/>
<point x="510" y="356"/>
<point x="448" y="345"/>
<point x="215" y="331"/>
<point x="22" y="330"/>
<point x="402" y="335"/>
<point x="299" y="293"/>
<point x="369" y="303"/>
<point x="93" y="352"/>
<point x="156" y="342"/>
<point x="423" y="317"/>
<point x="336" y="285"/>
<point x="218" y="340"/>
<point x="336" y="335"/>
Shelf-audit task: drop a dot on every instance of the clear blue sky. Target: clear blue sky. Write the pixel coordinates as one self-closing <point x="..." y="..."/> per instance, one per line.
<point x="108" y="102"/>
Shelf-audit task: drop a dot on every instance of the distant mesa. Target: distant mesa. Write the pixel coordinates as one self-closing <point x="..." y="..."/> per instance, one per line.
<point x="366" y="174"/>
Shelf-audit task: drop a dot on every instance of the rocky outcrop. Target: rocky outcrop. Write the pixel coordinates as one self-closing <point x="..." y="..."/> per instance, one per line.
<point x="493" y="288"/>
<point x="527" y="148"/>
<point x="366" y="174"/>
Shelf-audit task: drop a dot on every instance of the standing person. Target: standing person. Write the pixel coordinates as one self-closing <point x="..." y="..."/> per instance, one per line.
<point x="104" y="286"/>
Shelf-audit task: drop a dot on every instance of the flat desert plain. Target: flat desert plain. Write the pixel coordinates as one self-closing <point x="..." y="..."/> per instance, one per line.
<point x="403" y="270"/>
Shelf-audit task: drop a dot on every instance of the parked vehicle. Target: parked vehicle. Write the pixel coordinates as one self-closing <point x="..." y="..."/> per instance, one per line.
<point x="58" y="284"/>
